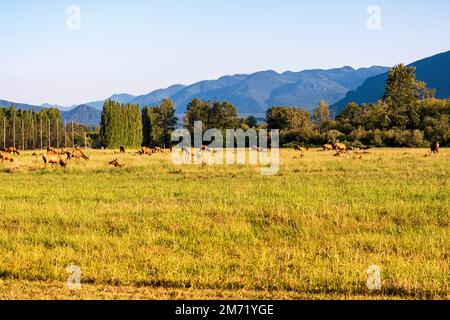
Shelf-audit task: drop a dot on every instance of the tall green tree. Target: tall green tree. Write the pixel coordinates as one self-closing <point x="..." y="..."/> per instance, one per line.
<point x="402" y="93"/>
<point x="158" y="124"/>
<point x="121" y="125"/>
<point x="321" y="115"/>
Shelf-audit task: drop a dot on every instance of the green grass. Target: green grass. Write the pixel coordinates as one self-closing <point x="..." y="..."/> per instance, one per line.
<point x="310" y="231"/>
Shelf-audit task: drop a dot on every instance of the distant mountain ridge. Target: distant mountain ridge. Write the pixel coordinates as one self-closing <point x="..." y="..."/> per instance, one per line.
<point x="83" y="114"/>
<point x="434" y="70"/>
<point x="21" y="106"/>
<point x="255" y="93"/>
<point x="249" y="93"/>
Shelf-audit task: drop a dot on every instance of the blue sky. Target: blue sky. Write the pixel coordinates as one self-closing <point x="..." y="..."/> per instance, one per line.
<point x="137" y="46"/>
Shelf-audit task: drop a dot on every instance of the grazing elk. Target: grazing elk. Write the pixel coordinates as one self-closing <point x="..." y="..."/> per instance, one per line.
<point x="6" y="156"/>
<point x="122" y="149"/>
<point x="340" y="146"/>
<point x="258" y="149"/>
<point x="145" y="150"/>
<point x="158" y="149"/>
<point x="327" y="147"/>
<point x="53" y="158"/>
<point x="52" y="150"/>
<point x="435" y="147"/>
<point x="115" y="163"/>
<point x="76" y="154"/>
<point x="301" y="149"/>
<point x="11" y="150"/>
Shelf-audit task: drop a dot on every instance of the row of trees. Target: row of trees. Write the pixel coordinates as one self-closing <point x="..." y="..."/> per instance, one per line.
<point x="407" y="115"/>
<point x="29" y="129"/>
<point x="126" y="125"/>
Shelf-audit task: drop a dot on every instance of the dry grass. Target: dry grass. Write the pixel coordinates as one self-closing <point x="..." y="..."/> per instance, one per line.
<point x="156" y="230"/>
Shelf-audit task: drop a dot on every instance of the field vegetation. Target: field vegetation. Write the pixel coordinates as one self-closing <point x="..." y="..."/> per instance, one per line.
<point x="153" y="229"/>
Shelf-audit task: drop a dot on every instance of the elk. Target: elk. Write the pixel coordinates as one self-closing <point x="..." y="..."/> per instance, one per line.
<point x="357" y="157"/>
<point x="340" y="146"/>
<point x="327" y="147"/>
<point x="435" y="147"/>
<point x="259" y="149"/>
<point x="145" y="150"/>
<point x="301" y="149"/>
<point x="122" y="149"/>
<point x="53" y="158"/>
<point x="6" y="156"/>
<point x="10" y="150"/>
<point x="77" y="154"/>
<point x="115" y="163"/>
<point x="52" y="150"/>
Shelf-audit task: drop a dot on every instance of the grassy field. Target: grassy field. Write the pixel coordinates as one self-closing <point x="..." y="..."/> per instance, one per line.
<point x="153" y="229"/>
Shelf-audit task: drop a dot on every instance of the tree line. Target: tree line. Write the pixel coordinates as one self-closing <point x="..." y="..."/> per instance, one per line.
<point x="30" y="129"/>
<point x="408" y="115"/>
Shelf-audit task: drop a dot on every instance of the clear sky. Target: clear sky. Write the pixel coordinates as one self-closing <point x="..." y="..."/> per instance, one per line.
<point x="136" y="46"/>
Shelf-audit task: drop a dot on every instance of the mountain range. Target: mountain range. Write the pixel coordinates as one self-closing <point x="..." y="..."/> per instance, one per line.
<point x="255" y="93"/>
<point x="435" y="71"/>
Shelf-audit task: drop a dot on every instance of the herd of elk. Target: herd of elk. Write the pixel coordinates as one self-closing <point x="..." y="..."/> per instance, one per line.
<point x="11" y="150"/>
<point x="53" y="155"/>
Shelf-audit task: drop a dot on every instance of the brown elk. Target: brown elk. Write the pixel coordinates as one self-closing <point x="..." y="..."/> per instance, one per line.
<point x="11" y="150"/>
<point x="6" y="156"/>
<point x="145" y="150"/>
<point x="76" y="154"/>
<point x="357" y="157"/>
<point x="53" y="158"/>
<point x="435" y="147"/>
<point x="52" y="150"/>
<point x="122" y="149"/>
<point x="301" y="149"/>
<point x="115" y="163"/>
<point x="340" y="146"/>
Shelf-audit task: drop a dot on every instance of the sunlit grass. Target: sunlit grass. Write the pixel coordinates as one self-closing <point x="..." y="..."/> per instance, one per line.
<point x="311" y="230"/>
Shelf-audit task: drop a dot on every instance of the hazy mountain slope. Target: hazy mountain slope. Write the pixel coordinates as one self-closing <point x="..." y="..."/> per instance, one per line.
<point x="307" y="92"/>
<point x="121" y="98"/>
<point x="435" y="71"/>
<point x="155" y="97"/>
<point x="22" y="106"/>
<point x="83" y="114"/>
